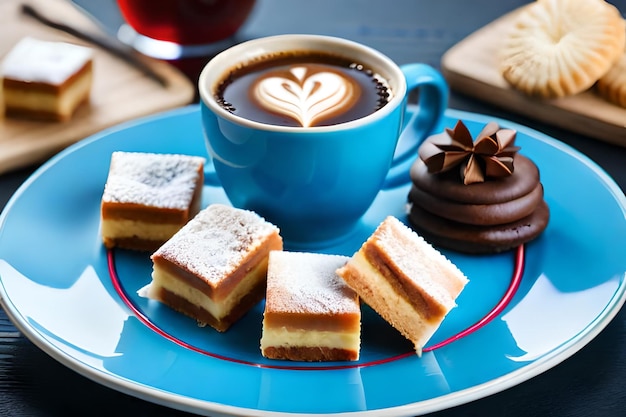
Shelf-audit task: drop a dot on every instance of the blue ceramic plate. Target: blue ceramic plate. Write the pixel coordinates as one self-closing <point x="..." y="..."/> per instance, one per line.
<point x="58" y="289"/>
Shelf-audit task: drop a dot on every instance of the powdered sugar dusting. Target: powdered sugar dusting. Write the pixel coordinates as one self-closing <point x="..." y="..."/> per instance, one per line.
<point x="215" y="242"/>
<point x="154" y="180"/>
<point x="34" y="60"/>
<point x="299" y="282"/>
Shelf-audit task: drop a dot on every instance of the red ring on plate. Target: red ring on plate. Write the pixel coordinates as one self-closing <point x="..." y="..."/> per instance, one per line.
<point x="516" y="278"/>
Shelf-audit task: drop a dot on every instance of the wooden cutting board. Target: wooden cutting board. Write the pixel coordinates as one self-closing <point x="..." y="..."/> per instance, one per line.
<point x="471" y="68"/>
<point x="120" y="92"/>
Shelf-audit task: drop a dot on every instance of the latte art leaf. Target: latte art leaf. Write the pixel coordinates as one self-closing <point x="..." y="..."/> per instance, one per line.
<point x="308" y="94"/>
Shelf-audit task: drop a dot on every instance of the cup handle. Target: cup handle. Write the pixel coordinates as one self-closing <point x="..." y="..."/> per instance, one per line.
<point x="433" y="101"/>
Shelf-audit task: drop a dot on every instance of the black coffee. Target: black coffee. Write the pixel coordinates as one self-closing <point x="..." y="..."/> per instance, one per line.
<point x="302" y="89"/>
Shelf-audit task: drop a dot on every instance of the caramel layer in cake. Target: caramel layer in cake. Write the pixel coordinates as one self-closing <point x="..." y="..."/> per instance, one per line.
<point x="149" y="197"/>
<point x="310" y="313"/>
<point x="214" y="269"/>
<point x="46" y="80"/>
<point x="405" y="280"/>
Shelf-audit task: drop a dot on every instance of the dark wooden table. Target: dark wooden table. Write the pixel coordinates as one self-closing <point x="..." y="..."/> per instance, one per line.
<point x="590" y="383"/>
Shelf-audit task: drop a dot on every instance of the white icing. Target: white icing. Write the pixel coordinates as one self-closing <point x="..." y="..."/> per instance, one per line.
<point x="305" y="94"/>
<point x="155" y="180"/>
<point x="34" y="60"/>
<point x="299" y="282"/>
<point x="216" y="242"/>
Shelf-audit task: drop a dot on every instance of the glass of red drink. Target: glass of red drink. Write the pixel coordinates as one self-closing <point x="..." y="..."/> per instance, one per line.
<point x="166" y="28"/>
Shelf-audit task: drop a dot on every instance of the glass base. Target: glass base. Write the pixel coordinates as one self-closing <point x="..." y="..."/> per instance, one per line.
<point x="169" y="50"/>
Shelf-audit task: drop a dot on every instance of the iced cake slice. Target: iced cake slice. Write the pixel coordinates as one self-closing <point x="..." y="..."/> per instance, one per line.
<point x="46" y="80"/>
<point x="148" y="197"/>
<point x="310" y="313"/>
<point x="215" y="268"/>
<point x="405" y="280"/>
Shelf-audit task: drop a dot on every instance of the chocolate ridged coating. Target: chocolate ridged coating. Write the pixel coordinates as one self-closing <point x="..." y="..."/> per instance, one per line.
<point x="448" y="185"/>
<point x="479" y="214"/>
<point x="479" y="239"/>
<point x="486" y="217"/>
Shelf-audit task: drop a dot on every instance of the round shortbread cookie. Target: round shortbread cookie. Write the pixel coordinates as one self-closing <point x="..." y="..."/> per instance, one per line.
<point x="478" y="214"/>
<point x="557" y="48"/>
<point x="612" y="86"/>
<point x="447" y="185"/>
<point x="478" y="239"/>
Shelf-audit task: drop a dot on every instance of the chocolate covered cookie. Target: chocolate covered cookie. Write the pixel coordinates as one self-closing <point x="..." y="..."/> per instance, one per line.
<point x="476" y="197"/>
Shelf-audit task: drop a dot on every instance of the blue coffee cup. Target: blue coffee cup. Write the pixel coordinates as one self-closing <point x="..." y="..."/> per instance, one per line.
<point x="315" y="183"/>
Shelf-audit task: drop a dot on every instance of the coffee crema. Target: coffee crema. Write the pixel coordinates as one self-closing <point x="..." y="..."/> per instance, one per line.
<point x="302" y="89"/>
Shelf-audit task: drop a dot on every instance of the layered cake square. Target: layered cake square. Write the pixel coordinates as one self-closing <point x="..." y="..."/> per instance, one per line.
<point x="405" y="280"/>
<point x="148" y="197"/>
<point x="310" y="313"/>
<point x="214" y="269"/>
<point x="46" y="80"/>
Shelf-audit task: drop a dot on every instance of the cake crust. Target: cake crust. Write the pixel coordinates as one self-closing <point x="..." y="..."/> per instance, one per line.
<point x="310" y="354"/>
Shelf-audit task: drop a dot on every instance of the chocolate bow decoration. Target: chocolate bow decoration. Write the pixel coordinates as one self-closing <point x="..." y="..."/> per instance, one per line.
<point x="491" y="156"/>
